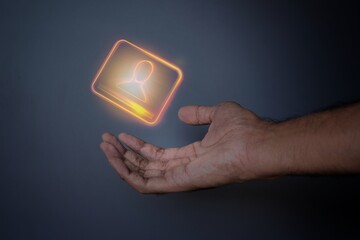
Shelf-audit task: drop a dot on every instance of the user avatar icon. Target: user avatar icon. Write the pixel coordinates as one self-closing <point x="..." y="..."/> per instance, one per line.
<point x="137" y="81"/>
<point x="135" y="86"/>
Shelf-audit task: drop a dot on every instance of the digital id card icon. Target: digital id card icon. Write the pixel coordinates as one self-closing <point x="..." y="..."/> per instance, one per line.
<point x="137" y="81"/>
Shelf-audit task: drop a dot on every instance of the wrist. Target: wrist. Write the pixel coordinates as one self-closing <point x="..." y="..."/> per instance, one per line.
<point x="263" y="151"/>
<point x="319" y="143"/>
<point x="275" y="152"/>
<point x="295" y="147"/>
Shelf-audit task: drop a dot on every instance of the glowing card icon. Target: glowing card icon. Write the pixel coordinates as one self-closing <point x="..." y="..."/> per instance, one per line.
<point x="137" y="81"/>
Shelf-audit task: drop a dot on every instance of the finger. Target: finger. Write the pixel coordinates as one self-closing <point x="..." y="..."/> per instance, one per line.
<point x="175" y="179"/>
<point x="171" y="177"/>
<point x="109" y="150"/>
<point x="134" y="179"/>
<point x="153" y="153"/>
<point x="109" y="138"/>
<point x="141" y="164"/>
<point x="152" y="173"/>
<point x="132" y="167"/>
<point x="114" y="158"/>
<point x="137" y="181"/>
<point x="147" y="150"/>
<point x="159" y="185"/>
<point x="136" y="159"/>
<point x="196" y="115"/>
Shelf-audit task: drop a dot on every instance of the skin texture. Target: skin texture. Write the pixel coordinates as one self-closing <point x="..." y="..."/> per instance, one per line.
<point x="239" y="146"/>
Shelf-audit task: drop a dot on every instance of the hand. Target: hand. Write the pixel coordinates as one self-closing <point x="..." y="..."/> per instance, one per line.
<point x="225" y="155"/>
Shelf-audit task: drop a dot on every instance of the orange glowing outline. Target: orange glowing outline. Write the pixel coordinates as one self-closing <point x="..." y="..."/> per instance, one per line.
<point x="163" y="61"/>
<point x="142" y="82"/>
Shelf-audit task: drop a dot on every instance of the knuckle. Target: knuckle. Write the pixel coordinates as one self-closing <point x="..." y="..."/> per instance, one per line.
<point x="163" y="164"/>
<point x="142" y="172"/>
<point x="142" y="163"/>
<point x="159" y="153"/>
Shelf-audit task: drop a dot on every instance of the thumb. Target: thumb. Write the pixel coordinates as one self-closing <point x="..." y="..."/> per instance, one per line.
<point x="197" y="115"/>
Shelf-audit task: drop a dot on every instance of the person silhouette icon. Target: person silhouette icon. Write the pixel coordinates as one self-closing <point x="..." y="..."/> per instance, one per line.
<point x="135" y="86"/>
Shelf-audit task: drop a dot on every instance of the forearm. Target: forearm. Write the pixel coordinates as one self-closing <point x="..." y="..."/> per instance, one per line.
<point x="321" y="143"/>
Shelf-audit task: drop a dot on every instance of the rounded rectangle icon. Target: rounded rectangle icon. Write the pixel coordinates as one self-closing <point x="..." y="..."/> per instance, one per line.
<point x="137" y="81"/>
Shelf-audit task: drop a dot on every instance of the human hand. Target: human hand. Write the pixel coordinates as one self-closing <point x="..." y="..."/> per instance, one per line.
<point x="227" y="154"/>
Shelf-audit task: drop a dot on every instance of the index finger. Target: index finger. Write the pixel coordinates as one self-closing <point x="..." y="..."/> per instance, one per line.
<point x="152" y="152"/>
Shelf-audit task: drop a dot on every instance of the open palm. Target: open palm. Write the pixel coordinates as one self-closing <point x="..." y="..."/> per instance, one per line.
<point x="222" y="157"/>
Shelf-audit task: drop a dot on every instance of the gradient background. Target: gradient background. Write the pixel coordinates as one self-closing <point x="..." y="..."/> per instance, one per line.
<point x="279" y="59"/>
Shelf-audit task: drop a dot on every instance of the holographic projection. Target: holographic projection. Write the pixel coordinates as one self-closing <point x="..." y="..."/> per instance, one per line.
<point x="137" y="81"/>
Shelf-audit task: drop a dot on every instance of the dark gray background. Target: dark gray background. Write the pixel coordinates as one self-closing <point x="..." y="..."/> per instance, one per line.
<point x="279" y="58"/>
